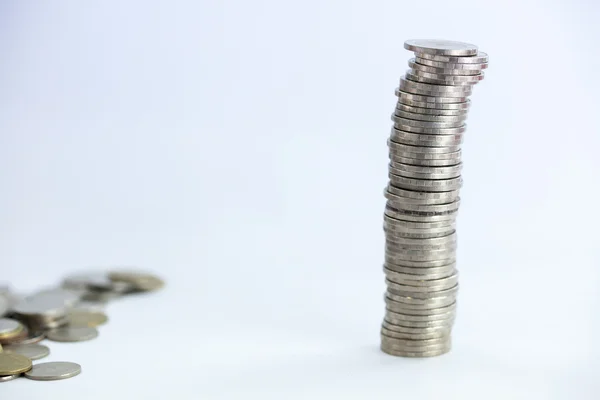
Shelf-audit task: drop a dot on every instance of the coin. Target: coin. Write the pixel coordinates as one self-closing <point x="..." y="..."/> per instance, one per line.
<point x="417" y="66"/>
<point x="32" y="337"/>
<point x="4" y="306"/>
<point x="429" y="89"/>
<point x="404" y="353"/>
<point x="140" y="281"/>
<point x="447" y="152"/>
<point x="423" y="197"/>
<point x="415" y="279"/>
<point x="6" y="378"/>
<point x="400" y="121"/>
<point x="9" y="328"/>
<point x="31" y="351"/>
<point x="417" y="100"/>
<point x="41" y="307"/>
<point x="68" y="334"/>
<point x="66" y="296"/>
<point x="52" y="371"/>
<point x="480" y="58"/>
<point x="422" y="76"/>
<point x="444" y="270"/>
<point x="430" y="111"/>
<point x="82" y="319"/>
<point x="11" y="364"/>
<point x="423" y="286"/>
<point x="448" y="119"/>
<point x="417" y="172"/>
<point x="415" y="336"/>
<point x="422" y="162"/>
<point x="391" y="211"/>
<point x="440" y="47"/>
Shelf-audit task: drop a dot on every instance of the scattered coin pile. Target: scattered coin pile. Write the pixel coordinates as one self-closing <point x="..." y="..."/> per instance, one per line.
<point x="69" y="313"/>
<point x="423" y="196"/>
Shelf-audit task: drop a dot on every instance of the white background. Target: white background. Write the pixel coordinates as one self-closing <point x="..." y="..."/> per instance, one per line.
<point x="238" y="148"/>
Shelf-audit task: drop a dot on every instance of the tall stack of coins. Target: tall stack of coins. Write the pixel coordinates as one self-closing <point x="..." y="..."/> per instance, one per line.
<point x="423" y="196"/>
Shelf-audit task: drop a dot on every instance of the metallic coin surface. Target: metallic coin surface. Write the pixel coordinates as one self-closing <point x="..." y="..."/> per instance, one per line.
<point x="440" y="47"/>
<point x="11" y="364"/>
<point x="67" y="296"/>
<point x="82" y="318"/>
<point x="33" y="336"/>
<point x="480" y="58"/>
<point x="52" y="371"/>
<point x="6" y="378"/>
<point x="139" y="281"/>
<point x="424" y="67"/>
<point x="31" y="351"/>
<point x="9" y="328"/>
<point x="68" y="334"/>
<point x="405" y="353"/>
<point x="417" y="100"/>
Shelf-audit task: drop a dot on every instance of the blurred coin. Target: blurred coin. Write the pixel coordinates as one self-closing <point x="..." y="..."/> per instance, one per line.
<point x="52" y="371"/>
<point x="403" y="353"/>
<point x="31" y="351"/>
<point x="33" y="336"/>
<point x="438" y="334"/>
<point x="6" y="378"/>
<point x="140" y="281"/>
<point x="68" y="334"/>
<point x="67" y="296"/>
<point x="11" y="364"/>
<point x="440" y="47"/>
<point x="82" y="318"/>
<point x="430" y="111"/>
<point x="9" y="328"/>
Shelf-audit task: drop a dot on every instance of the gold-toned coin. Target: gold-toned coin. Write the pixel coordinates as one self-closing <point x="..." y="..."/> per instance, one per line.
<point x="10" y="328"/>
<point x="140" y="281"/>
<point x="86" y="319"/>
<point x="11" y="364"/>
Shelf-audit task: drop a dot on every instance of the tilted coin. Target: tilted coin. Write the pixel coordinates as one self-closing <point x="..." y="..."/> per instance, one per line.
<point x="417" y="139"/>
<point x="405" y="316"/>
<point x="444" y="270"/>
<point x="444" y="79"/>
<point x="440" y="47"/>
<point x="68" y="334"/>
<point x="431" y="111"/>
<point x="66" y="296"/>
<point x="87" y="280"/>
<point x="480" y="58"/>
<point x="419" y="172"/>
<point x="399" y="223"/>
<point x="420" y="79"/>
<point x="423" y="304"/>
<point x="422" y="286"/>
<point x="52" y="371"/>
<point x="401" y="205"/>
<point x="413" y="293"/>
<point x="416" y="66"/>
<point x="418" y="233"/>
<point x="140" y="281"/>
<point x="429" y="89"/>
<point x="415" y="336"/>
<point x="428" y="101"/>
<point x="440" y="330"/>
<point x="467" y="67"/>
<point x="391" y="210"/>
<point x="447" y="152"/>
<point x="10" y="327"/>
<point x="85" y="305"/>
<point x="426" y="185"/>
<point x="31" y="351"/>
<point x="11" y="364"/>
<point x="82" y="318"/>
<point x="416" y="279"/>
<point x="6" y="378"/>
<point x="455" y="120"/>
<point x="400" y="121"/>
<point x="422" y="162"/>
<point x="41" y="307"/>
<point x="412" y="196"/>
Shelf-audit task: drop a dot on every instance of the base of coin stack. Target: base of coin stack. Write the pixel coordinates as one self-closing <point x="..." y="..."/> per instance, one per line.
<point x="423" y="196"/>
<point x="71" y="312"/>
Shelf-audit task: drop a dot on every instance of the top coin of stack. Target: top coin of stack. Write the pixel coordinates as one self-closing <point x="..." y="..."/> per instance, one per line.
<point x="423" y="195"/>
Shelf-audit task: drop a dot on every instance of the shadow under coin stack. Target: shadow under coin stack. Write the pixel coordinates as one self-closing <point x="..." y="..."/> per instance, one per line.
<point x="423" y="196"/>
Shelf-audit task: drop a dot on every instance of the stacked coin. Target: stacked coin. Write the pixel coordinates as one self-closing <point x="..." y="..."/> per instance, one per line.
<point x="69" y="313"/>
<point x="423" y="196"/>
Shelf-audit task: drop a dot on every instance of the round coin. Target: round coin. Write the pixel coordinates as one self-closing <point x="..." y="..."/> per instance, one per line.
<point x="445" y="79"/>
<point x="90" y="319"/>
<point x="400" y="121"/>
<point x="66" y="296"/>
<point x="52" y="371"/>
<point x="140" y="281"/>
<point x="441" y="47"/>
<point x="411" y="196"/>
<point x="414" y="336"/>
<point x="11" y="364"/>
<point x="33" y="336"/>
<point x="429" y="89"/>
<point x="421" y="162"/>
<point x="424" y="101"/>
<point x="430" y="111"/>
<point x="31" y="351"/>
<point x="10" y="328"/>
<point x="444" y="270"/>
<point x="480" y="58"/>
<point x="416" y="66"/>
<point x="6" y="378"/>
<point x="404" y="353"/>
<point x="446" y="153"/>
<point x="431" y="118"/>
<point x="68" y="334"/>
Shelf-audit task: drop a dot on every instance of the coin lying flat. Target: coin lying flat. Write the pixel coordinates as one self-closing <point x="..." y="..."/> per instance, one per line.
<point x="140" y="281"/>
<point x="11" y="364"/>
<point x="82" y="319"/>
<point x="68" y="334"/>
<point x="440" y="47"/>
<point x="9" y="328"/>
<point x="6" y="378"/>
<point x="53" y="371"/>
<point x="32" y="337"/>
<point x="31" y="351"/>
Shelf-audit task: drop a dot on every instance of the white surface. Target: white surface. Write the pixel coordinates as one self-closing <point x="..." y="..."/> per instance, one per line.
<point x="239" y="149"/>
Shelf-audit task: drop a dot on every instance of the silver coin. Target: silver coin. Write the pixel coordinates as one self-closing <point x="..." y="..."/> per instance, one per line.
<point x="403" y="353"/>
<point x="435" y="173"/>
<point x="467" y="68"/>
<point x="86" y="280"/>
<point x="424" y="303"/>
<point x="31" y="351"/>
<point x="396" y="344"/>
<point x="6" y="378"/>
<point x="414" y="280"/>
<point x="417" y="139"/>
<point x="430" y="111"/>
<point x="448" y="80"/>
<point x="401" y="205"/>
<point x="414" y="336"/>
<point x="443" y="270"/>
<point x="67" y="296"/>
<point x="455" y="120"/>
<point x="447" y="324"/>
<point x="68" y="334"/>
<point x="404" y="316"/>
<point x="399" y="290"/>
<point x="480" y="58"/>
<point x="429" y="89"/>
<point x="8" y="326"/>
<point x="440" y="47"/>
<point x="397" y="306"/>
<point x="394" y="263"/>
<point x="433" y="241"/>
<point x="422" y="286"/>
<point x="33" y="336"/>
<point x="399" y="223"/>
<point x="393" y="212"/>
<point x="430" y="255"/>
<point x="94" y="306"/>
<point x="400" y="121"/>
<point x="44" y="307"/>
<point x="440" y="330"/>
<point x="446" y="153"/>
<point x="411" y="196"/>
<point x="52" y="371"/>
<point x="420" y="233"/>
<point x="425" y="101"/>
<point x="416" y="66"/>
<point x="423" y="163"/>
<point x="426" y="185"/>
<point x="416" y="249"/>
<point x="407" y="343"/>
